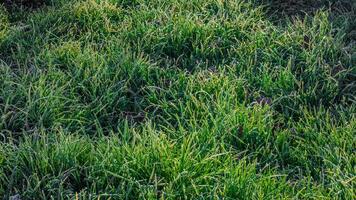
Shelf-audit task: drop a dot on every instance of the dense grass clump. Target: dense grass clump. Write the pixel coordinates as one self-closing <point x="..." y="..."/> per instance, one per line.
<point x="176" y="99"/>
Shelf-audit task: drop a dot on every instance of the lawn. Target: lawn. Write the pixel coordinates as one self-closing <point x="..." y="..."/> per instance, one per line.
<point x="177" y="99"/>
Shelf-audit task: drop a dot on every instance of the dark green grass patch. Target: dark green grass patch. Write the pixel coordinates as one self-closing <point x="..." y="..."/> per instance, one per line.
<point x="176" y="100"/>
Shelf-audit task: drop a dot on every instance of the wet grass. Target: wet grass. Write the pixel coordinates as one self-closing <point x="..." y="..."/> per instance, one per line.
<point x="176" y="100"/>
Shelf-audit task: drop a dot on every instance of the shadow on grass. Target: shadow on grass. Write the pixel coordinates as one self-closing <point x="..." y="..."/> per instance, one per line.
<point x="281" y="9"/>
<point x="341" y="14"/>
<point x="24" y="3"/>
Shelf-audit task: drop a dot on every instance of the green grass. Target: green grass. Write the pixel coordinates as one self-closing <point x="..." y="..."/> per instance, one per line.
<point x="176" y="99"/>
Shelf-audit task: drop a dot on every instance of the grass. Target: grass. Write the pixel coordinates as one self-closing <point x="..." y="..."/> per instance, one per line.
<point x="117" y="99"/>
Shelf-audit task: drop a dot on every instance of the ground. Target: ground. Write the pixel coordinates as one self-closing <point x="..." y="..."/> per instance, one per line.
<point x="177" y="99"/>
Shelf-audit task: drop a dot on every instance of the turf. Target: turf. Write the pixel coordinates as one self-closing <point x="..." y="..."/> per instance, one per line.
<point x="177" y="99"/>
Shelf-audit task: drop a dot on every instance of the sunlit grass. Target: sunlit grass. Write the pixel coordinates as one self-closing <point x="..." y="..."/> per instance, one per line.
<point x="175" y="100"/>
